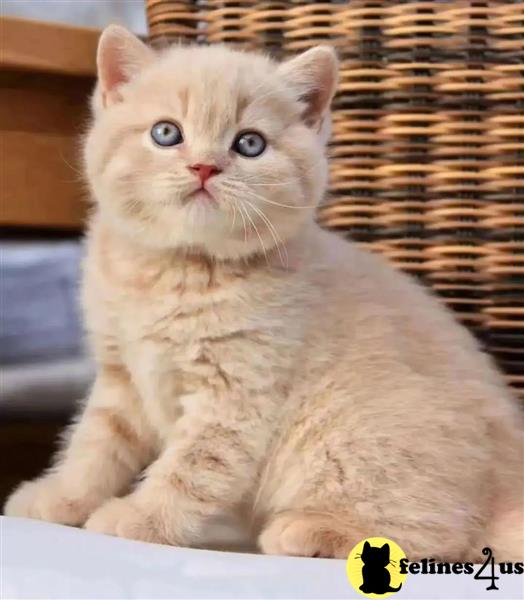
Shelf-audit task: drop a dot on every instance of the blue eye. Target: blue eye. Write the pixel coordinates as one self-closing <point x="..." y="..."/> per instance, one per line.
<point x="249" y="144"/>
<point x="166" y="133"/>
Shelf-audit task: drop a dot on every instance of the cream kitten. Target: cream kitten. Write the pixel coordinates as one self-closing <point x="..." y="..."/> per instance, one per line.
<point x="249" y="362"/>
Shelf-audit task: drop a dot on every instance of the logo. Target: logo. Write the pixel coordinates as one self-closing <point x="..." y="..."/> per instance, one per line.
<point x="373" y="567"/>
<point x="377" y="568"/>
<point x="487" y="571"/>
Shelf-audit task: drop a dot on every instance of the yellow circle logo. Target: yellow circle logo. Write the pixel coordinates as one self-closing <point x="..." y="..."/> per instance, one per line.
<point x="373" y="567"/>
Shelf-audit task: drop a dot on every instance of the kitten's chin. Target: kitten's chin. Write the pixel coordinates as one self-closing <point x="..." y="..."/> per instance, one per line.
<point x="200" y="226"/>
<point x="183" y="235"/>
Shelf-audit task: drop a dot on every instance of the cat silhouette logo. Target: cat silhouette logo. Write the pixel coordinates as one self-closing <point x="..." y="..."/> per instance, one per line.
<point x="373" y="567"/>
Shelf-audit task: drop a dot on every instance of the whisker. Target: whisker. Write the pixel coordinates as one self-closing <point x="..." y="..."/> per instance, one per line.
<point x="274" y="233"/>
<point x="73" y="168"/>
<point x="244" y="223"/>
<point x="259" y="236"/>
<point x="254" y="181"/>
<point x="304" y="206"/>
<point x="269" y="227"/>
<point x="234" y="216"/>
<point x="264" y="184"/>
<point x="259" y="197"/>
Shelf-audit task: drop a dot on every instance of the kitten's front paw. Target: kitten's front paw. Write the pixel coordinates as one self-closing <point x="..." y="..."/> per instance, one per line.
<point x="46" y="499"/>
<point x="124" y="517"/>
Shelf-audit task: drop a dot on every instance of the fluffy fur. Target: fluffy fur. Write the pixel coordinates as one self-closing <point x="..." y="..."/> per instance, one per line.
<point x="250" y="363"/>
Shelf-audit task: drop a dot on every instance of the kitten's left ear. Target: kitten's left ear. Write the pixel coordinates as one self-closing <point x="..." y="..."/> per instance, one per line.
<point x="313" y="76"/>
<point x="120" y="56"/>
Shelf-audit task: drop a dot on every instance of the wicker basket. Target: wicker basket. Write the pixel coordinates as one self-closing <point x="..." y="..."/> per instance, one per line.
<point x="428" y="147"/>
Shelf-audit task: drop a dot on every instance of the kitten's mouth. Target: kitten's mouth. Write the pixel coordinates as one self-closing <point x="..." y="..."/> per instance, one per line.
<point x="203" y="196"/>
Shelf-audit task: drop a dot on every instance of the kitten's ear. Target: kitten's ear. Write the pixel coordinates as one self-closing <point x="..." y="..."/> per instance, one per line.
<point x="120" y="56"/>
<point x="367" y="545"/>
<point x="313" y="76"/>
<point x="385" y="549"/>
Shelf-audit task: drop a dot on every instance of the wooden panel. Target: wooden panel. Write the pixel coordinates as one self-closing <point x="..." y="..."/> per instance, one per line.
<point x="47" y="47"/>
<point x="41" y="119"/>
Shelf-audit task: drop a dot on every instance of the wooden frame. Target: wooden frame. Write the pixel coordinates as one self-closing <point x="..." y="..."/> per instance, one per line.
<point x="47" y="72"/>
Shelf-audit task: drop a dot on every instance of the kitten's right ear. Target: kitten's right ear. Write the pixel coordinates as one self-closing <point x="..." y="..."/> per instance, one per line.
<point x="120" y="56"/>
<point x="313" y="77"/>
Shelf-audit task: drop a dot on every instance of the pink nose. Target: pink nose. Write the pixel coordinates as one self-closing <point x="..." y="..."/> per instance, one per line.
<point x="205" y="171"/>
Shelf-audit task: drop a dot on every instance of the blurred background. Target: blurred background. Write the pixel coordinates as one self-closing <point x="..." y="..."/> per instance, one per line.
<point x="427" y="167"/>
<point x="84" y="13"/>
<point x="47" y="73"/>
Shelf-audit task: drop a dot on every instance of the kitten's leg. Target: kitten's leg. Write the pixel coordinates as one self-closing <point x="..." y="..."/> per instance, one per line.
<point x="107" y="447"/>
<point x="338" y="476"/>
<point x="208" y="469"/>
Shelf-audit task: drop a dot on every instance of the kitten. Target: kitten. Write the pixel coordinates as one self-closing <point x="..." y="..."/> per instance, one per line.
<point x="248" y="360"/>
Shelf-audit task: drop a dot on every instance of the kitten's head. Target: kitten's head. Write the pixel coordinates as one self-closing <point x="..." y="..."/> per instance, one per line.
<point x="374" y="555"/>
<point x="207" y="147"/>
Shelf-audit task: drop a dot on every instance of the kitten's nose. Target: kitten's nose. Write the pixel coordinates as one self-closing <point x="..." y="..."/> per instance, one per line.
<point x="205" y="171"/>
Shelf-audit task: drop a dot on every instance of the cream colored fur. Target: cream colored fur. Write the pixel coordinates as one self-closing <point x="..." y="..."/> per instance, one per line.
<point x="250" y="363"/>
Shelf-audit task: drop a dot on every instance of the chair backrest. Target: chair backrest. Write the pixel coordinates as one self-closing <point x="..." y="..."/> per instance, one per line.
<point x="427" y="149"/>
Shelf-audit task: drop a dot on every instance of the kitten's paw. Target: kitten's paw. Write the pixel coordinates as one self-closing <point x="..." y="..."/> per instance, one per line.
<point x="123" y="517"/>
<point x="46" y="499"/>
<point x="302" y="534"/>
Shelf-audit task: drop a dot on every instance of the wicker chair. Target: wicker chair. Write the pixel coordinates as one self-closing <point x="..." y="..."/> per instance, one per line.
<point x="428" y="146"/>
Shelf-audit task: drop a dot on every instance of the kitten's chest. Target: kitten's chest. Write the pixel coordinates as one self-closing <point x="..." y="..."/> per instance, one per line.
<point x="171" y="346"/>
<point x="189" y="330"/>
<point x="175" y="335"/>
<point x="179" y="311"/>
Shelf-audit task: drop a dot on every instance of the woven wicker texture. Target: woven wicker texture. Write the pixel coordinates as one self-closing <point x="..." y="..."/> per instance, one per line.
<point x="428" y="140"/>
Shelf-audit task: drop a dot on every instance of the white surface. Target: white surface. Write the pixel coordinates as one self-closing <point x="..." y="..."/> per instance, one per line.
<point x="40" y="560"/>
<point x="86" y="13"/>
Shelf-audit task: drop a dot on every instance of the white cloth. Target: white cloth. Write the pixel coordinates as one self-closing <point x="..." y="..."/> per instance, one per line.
<point x="41" y="560"/>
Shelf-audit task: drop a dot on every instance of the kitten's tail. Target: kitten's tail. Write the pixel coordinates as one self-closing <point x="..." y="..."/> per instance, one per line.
<point x="391" y="589"/>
